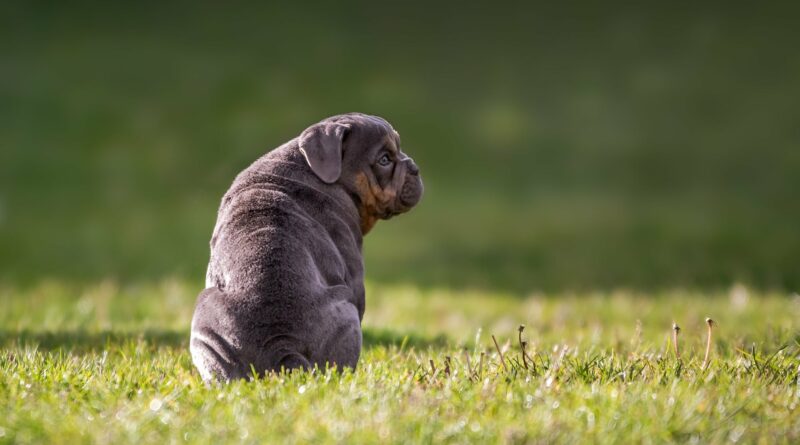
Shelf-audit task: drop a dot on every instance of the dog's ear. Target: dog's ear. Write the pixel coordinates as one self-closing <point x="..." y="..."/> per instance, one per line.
<point x="321" y="145"/>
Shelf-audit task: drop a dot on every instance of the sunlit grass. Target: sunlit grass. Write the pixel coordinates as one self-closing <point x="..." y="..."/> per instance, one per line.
<point x="109" y="364"/>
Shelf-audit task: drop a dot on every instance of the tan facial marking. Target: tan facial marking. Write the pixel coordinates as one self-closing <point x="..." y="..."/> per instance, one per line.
<point x="374" y="200"/>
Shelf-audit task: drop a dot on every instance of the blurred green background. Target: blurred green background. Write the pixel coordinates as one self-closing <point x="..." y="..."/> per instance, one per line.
<point x="564" y="146"/>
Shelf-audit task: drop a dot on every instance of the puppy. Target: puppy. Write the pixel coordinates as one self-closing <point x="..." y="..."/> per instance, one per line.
<point x="285" y="282"/>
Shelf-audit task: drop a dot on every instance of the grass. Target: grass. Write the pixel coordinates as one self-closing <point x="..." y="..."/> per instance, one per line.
<point x="109" y="364"/>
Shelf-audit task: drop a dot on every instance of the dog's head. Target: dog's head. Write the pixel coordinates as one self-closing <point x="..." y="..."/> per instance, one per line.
<point x="362" y="154"/>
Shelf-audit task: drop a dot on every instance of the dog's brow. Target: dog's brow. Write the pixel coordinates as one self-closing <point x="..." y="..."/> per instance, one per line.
<point x="392" y="144"/>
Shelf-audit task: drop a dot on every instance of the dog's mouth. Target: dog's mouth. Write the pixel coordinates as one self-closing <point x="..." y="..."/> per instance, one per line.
<point x="409" y="196"/>
<point x="411" y="193"/>
<point x="396" y="208"/>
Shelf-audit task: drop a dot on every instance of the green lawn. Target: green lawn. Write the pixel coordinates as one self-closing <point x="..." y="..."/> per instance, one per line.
<point x="109" y="364"/>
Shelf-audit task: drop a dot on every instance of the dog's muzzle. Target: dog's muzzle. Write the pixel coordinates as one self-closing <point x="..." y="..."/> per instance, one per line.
<point x="411" y="192"/>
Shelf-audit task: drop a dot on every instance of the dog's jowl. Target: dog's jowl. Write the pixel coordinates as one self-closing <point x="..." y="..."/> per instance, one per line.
<point x="285" y="282"/>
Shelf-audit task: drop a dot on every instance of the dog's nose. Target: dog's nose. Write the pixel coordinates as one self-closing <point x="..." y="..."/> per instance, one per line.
<point x="412" y="167"/>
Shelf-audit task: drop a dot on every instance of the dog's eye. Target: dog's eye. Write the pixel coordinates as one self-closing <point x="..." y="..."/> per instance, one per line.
<point x="384" y="161"/>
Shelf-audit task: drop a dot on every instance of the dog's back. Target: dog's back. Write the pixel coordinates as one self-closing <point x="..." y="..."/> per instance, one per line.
<point x="285" y="275"/>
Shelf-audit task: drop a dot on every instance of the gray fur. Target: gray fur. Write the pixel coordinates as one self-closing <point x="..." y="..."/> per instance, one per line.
<point x="322" y="147"/>
<point x="284" y="287"/>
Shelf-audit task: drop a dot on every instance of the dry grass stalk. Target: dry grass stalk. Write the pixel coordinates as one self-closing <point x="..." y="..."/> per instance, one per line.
<point x="499" y="351"/>
<point x="710" y="324"/>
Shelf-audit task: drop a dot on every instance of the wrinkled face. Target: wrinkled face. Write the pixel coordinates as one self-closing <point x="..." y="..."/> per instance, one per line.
<point x="386" y="180"/>
<point x="362" y="153"/>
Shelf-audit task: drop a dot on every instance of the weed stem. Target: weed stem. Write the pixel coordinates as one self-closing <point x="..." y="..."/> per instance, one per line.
<point x="710" y="324"/>
<point x="522" y="345"/>
<point x="502" y="359"/>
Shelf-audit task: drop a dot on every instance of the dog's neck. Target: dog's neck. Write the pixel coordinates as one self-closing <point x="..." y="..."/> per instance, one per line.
<point x="286" y="163"/>
<point x="295" y="168"/>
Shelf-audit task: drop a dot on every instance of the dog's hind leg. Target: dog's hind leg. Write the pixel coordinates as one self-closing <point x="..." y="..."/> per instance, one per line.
<point x="213" y="353"/>
<point x="293" y="360"/>
<point x="281" y="353"/>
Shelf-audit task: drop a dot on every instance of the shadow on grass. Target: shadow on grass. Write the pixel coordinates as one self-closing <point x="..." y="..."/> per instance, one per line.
<point x="385" y="337"/>
<point x="85" y="341"/>
<point x="88" y="341"/>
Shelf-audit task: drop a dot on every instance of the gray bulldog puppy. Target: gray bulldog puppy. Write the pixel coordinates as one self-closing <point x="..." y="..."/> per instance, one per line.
<point x="285" y="282"/>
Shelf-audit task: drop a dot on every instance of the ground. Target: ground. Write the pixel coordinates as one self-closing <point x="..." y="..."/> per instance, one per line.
<point x="109" y="363"/>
